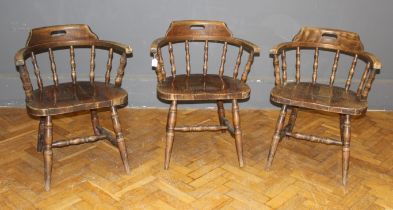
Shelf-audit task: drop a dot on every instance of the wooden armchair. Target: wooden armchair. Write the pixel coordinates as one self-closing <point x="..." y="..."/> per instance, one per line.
<point x="47" y="100"/>
<point x="197" y="87"/>
<point x="330" y="97"/>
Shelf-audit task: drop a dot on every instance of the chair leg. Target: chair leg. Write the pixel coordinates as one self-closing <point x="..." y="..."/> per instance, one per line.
<point x="41" y="134"/>
<point x="346" y="141"/>
<point x="292" y="119"/>
<point x="342" y="119"/>
<point x="221" y="113"/>
<point x="238" y="133"/>
<point x="95" y="121"/>
<point x="120" y="139"/>
<point x="170" y="134"/>
<point x="48" y="154"/>
<point x="277" y="136"/>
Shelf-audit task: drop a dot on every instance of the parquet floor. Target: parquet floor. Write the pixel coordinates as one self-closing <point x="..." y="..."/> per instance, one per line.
<point x="204" y="172"/>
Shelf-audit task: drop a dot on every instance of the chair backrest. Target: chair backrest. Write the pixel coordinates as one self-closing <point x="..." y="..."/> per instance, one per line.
<point x="67" y="37"/>
<point x="206" y="32"/>
<point x="331" y="41"/>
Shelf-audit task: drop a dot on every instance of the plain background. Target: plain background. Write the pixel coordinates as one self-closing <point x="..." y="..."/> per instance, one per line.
<point x="139" y="22"/>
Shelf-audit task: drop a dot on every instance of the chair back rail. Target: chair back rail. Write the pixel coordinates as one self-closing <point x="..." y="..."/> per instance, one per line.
<point x="205" y="32"/>
<point x="67" y="37"/>
<point x="334" y="68"/>
<point x="73" y="64"/>
<point x="36" y="70"/>
<point x="238" y="62"/>
<point x="205" y="57"/>
<point x="109" y="66"/>
<point x="188" y="65"/>
<point x="328" y="40"/>
<point x="53" y="66"/>
<point x="223" y="58"/>
<point x="92" y="63"/>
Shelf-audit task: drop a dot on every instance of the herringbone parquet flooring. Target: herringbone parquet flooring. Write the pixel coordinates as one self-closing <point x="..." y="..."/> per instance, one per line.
<point x="204" y="172"/>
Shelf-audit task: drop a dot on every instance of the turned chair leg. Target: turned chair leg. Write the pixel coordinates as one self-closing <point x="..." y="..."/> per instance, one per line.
<point x="292" y="119"/>
<point x="238" y="132"/>
<point x="170" y="134"/>
<point x="342" y="119"/>
<point x="48" y="154"/>
<point x="120" y="139"/>
<point x="346" y="137"/>
<point x="221" y="113"/>
<point x="277" y="136"/>
<point x="95" y="122"/>
<point x="41" y="134"/>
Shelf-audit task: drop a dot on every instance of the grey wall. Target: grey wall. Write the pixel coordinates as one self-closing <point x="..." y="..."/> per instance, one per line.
<point x="139" y="22"/>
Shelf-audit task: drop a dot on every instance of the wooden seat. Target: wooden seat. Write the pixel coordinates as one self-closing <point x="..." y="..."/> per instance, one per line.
<point x="314" y="94"/>
<point x="201" y="86"/>
<point x="48" y="100"/>
<point x="319" y="97"/>
<point x="54" y="100"/>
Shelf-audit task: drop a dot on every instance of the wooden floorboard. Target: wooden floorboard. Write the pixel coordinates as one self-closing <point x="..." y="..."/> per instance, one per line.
<point x="204" y="172"/>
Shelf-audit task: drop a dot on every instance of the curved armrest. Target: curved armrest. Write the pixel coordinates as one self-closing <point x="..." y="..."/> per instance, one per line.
<point x="20" y="57"/>
<point x="251" y="46"/>
<point x="155" y="44"/>
<point x="376" y="63"/>
<point x="276" y="49"/>
<point x="117" y="46"/>
<point x="23" y="53"/>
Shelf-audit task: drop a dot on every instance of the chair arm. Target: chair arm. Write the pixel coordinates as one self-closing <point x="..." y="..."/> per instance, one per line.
<point x="276" y="49"/>
<point x="248" y="45"/>
<point x="156" y="44"/>
<point x="375" y="62"/>
<point x="116" y="46"/>
<point x="20" y="57"/>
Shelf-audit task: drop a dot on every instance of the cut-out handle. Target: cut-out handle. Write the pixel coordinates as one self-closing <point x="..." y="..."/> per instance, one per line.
<point x="331" y="36"/>
<point x="343" y="40"/>
<point x="197" y="27"/>
<point x="58" y="33"/>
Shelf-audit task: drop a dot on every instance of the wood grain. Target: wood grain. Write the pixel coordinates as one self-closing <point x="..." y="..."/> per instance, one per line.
<point x="67" y="97"/>
<point x="200" y="87"/>
<point x="320" y="97"/>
